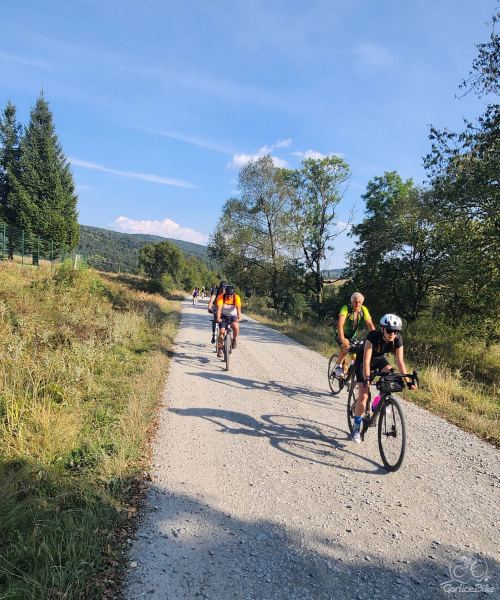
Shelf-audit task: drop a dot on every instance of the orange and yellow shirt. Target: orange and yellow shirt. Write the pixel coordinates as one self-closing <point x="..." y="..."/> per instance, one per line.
<point x="229" y="304"/>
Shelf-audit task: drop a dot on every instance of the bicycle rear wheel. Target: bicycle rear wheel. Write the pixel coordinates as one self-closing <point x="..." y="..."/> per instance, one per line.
<point x="334" y="382"/>
<point x="227" y="349"/>
<point x="391" y="434"/>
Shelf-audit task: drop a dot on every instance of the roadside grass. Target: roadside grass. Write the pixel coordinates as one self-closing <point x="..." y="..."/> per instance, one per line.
<point x="82" y="363"/>
<point x="449" y="393"/>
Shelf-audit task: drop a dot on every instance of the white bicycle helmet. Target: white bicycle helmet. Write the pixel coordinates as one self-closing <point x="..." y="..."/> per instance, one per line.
<point x="391" y="322"/>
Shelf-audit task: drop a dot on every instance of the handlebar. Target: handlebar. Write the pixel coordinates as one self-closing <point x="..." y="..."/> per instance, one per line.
<point x="393" y="375"/>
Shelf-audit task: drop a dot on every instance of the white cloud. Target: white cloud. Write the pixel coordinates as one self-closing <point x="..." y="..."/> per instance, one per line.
<point x="375" y="55"/>
<point x="166" y="228"/>
<point x="239" y="160"/>
<point x="195" y="141"/>
<point x="284" y="143"/>
<point x="132" y="174"/>
<point x="315" y="154"/>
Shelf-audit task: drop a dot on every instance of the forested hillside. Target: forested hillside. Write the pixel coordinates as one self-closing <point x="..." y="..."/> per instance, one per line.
<point x="114" y="251"/>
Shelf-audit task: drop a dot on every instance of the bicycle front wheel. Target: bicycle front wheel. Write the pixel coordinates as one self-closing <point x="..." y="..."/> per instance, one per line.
<point x="227" y="349"/>
<point x="352" y="398"/>
<point x="391" y="434"/>
<point x="334" y="382"/>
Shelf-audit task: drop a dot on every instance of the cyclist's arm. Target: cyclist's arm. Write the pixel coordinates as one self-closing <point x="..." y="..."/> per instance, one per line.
<point x="367" y="358"/>
<point x="370" y="325"/>
<point x="401" y="363"/>
<point x="211" y="302"/>
<point x="340" y="330"/>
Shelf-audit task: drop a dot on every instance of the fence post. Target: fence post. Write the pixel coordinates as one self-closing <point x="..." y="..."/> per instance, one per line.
<point x="38" y="251"/>
<point x="51" y="253"/>
<point x="4" y="245"/>
<point x="22" y="247"/>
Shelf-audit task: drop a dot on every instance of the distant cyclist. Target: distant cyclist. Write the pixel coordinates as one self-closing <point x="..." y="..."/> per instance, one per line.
<point x="228" y="311"/>
<point x="351" y="325"/>
<point x="196" y="293"/>
<point x="371" y="357"/>
<point x="212" y="306"/>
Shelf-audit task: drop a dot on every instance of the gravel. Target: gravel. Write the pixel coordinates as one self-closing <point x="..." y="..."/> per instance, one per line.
<point x="257" y="493"/>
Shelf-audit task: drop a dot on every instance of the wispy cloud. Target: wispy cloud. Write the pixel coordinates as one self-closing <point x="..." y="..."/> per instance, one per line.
<point x="239" y="160"/>
<point x="315" y="154"/>
<point x="374" y="55"/>
<point x="152" y="178"/>
<point x="196" y="141"/>
<point x="26" y="61"/>
<point x="165" y="228"/>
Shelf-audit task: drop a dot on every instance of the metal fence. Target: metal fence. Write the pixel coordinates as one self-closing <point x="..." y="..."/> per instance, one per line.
<point x="27" y="249"/>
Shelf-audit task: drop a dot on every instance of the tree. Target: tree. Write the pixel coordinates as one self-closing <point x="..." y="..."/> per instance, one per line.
<point x="252" y="239"/>
<point x="399" y="257"/>
<point x="45" y="193"/>
<point x="10" y="154"/>
<point x="318" y="187"/>
<point x="157" y="259"/>
<point x="464" y="172"/>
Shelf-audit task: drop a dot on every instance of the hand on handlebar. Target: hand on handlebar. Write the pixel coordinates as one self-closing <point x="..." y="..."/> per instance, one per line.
<point x="346" y="343"/>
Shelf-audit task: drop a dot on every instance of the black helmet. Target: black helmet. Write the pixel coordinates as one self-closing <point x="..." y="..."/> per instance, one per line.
<point x="229" y="290"/>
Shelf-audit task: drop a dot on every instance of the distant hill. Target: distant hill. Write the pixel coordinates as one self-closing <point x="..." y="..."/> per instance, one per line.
<point x="331" y="273"/>
<point x="114" y="251"/>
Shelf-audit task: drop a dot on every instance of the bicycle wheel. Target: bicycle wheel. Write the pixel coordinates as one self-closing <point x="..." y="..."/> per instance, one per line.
<point x="334" y="382"/>
<point x="227" y="349"/>
<point x="391" y="434"/>
<point x="351" y="405"/>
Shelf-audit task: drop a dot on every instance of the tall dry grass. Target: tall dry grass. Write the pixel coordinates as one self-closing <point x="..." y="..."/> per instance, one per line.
<point x="82" y="361"/>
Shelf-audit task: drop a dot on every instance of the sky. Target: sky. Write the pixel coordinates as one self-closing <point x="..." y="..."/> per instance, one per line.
<point x="158" y="104"/>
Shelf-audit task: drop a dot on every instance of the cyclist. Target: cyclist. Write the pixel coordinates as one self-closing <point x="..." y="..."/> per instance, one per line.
<point x="228" y="311"/>
<point x="351" y="325"/>
<point x="196" y="293"/>
<point x="212" y="306"/>
<point x="371" y="357"/>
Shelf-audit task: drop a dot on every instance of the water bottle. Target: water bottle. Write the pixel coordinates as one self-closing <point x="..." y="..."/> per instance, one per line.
<point x="375" y="402"/>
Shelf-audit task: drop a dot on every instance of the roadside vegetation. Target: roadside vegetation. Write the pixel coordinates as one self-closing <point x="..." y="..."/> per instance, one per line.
<point x="82" y="361"/>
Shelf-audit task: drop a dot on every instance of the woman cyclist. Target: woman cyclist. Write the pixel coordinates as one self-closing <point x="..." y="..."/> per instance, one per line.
<point x="212" y="307"/>
<point x="371" y="357"/>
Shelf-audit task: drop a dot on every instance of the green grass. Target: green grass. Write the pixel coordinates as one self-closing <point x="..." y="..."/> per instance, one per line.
<point x="82" y="364"/>
<point x="449" y="392"/>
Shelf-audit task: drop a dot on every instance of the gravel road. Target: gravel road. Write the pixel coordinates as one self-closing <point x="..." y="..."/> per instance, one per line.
<point x="258" y="493"/>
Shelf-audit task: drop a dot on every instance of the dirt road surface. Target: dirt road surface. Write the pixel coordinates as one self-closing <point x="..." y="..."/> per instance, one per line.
<point x="258" y="493"/>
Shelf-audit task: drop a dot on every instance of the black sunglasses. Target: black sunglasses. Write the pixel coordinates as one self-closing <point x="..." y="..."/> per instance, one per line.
<point x="387" y="330"/>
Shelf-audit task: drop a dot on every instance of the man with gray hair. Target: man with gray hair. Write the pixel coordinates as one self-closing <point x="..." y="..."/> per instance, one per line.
<point x="351" y="325"/>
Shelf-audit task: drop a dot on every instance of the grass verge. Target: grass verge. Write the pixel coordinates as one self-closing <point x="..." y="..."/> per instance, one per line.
<point x="82" y="362"/>
<point x="443" y="391"/>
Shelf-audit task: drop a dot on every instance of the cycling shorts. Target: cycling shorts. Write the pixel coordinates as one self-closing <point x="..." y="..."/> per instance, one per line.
<point x="225" y="319"/>
<point x="377" y="364"/>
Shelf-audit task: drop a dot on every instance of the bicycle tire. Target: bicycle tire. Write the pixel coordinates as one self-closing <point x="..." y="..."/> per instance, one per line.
<point x="336" y="384"/>
<point x="227" y="349"/>
<point x="389" y="429"/>
<point x="351" y="406"/>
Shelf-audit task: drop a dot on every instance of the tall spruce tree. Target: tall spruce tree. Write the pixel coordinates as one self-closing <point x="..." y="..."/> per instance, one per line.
<point x="46" y="198"/>
<point x="10" y="153"/>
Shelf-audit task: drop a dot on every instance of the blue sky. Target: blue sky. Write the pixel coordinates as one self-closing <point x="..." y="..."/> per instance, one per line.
<point x="157" y="103"/>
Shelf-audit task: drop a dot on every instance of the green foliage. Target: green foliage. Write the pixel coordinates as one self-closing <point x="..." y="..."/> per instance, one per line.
<point x="45" y="198"/>
<point x="316" y="190"/>
<point x="10" y="154"/>
<point x="168" y="267"/>
<point x="400" y="256"/>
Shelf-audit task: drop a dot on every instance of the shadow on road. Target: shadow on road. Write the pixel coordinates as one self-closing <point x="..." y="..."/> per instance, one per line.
<point x="189" y="549"/>
<point x="296" y="436"/>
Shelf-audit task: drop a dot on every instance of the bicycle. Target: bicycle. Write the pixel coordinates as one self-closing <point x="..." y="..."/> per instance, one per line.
<point x="388" y="413"/>
<point x="337" y="383"/>
<point x="227" y="347"/>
